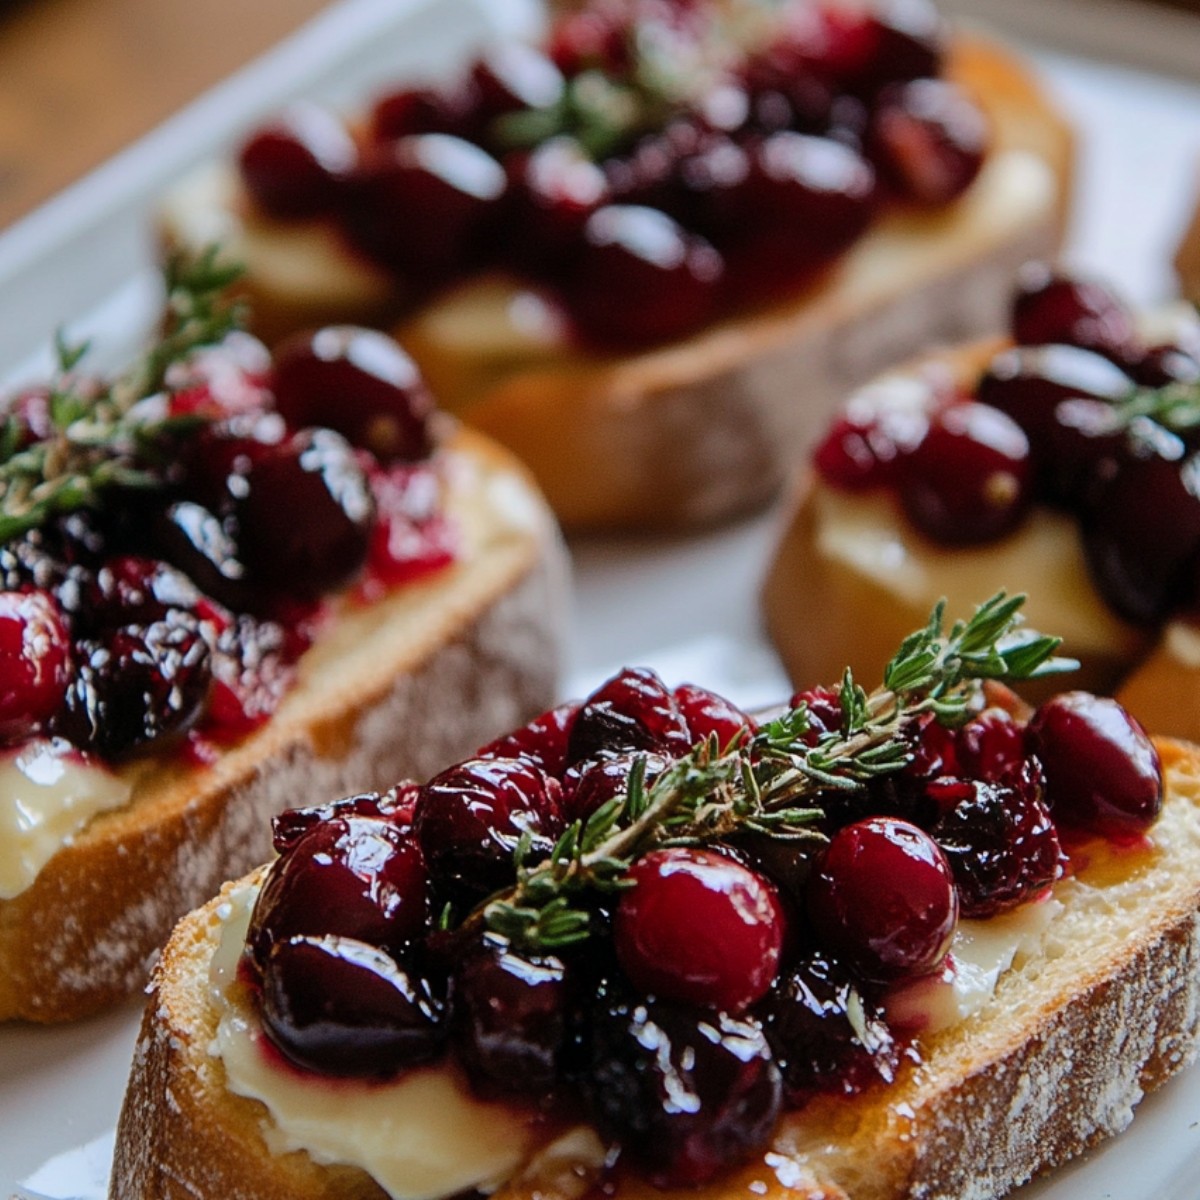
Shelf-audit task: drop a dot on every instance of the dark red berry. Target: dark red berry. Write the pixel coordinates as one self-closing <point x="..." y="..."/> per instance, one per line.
<point x="823" y="708"/>
<point x="1050" y="307"/>
<point x="686" y="1093"/>
<point x="699" y="928"/>
<point x="289" y="826"/>
<point x="298" y="165"/>
<point x="35" y="662"/>
<point x="632" y="711"/>
<point x="419" y="110"/>
<point x="542" y="742"/>
<point x="706" y="714"/>
<point x="590" y="784"/>
<point x="359" y="382"/>
<point x="345" y="1008"/>
<point x="882" y="899"/>
<point x="1103" y="774"/>
<point x="509" y="76"/>
<point x="969" y="479"/>
<point x="988" y="746"/>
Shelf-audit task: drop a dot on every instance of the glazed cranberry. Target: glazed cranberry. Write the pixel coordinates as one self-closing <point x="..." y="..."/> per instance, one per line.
<point x="969" y="479"/>
<point x="423" y="204"/>
<point x="1049" y="307"/>
<point x="131" y="589"/>
<point x="542" y="742"/>
<point x="204" y="546"/>
<point x="590" y="784"/>
<point x="868" y="48"/>
<point x="297" y="166"/>
<point x="824" y="710"/>
<point x="686" y="1093"/>
<point x="1141" y="535"/>
<point x="825" y="1035"/>
<point x="882" y="899"/>
<point x="1102" y="771"/>
<point x="289" y="826"/>
<point x="927" y="140"/>
<point x="640" y="278"/>
<point x="510" y="1018"/>
<point x="632" y="711"/>
<point x="989" y="745"/>
<point x="304" y="522"/>
<point x="352" y="876"/>
<point x="360" y="383"/>
<point x="1001" y="843"/>
<point x="135" y="685"/>
<point x="345" y="1008"/>
<point x="470" y="818"/>
<point x="413" y="535"/>
<point x="35" y="662"/>
<point x="707" y="714"/>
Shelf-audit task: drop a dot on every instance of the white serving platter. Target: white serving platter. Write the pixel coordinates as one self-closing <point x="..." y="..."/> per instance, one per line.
<point x="685" y="605"/>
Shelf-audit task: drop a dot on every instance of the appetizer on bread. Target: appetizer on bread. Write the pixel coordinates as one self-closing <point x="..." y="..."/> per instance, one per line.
<point x="918" y="942"/>
<point x="1062" y="462"/>
<point x="617" y="253"/>
<point x="224" y="580"/>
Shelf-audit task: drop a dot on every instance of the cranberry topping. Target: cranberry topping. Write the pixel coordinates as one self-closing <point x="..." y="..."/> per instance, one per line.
<point x="882" y="899"/>
<point x="1050" y="307"/>
<point x="867" y="49"/>
<point x="1103" y="774"/>
<point x="589" y="785"/>
<point x="632" y="711"/>
<point x="35" y="652"/>
<point x="699" y="928"/>
<point x="989" y="746"/>
<point x="543" y="741"/>
<point x="708" y="714"/>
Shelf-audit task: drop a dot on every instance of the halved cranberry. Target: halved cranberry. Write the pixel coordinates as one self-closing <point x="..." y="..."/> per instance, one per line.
<point x="422" y="205"/>
<point x="969" y="479"/>
<point x="927" y="140"/>
<point x="699" y="928"/>
<point x="352" y="876"/>
<point x="35" y="662"/>
<point x="471" y="817"/>
<point x="640" y="278"/>
<point x="1103" y="773"/>
<point x="706" y="714"/>
<point x="298" y="164"/>
<point x="359" y="382"/>
<point x="1050" y="307"/>
<point x="634" y="710"/>
<point x="882" y="899"/>
<point x="345" y="1008"/>
<point x="543" y="741"/>
<point x="687" y="1093"/>
<point x="826" y="1036"/>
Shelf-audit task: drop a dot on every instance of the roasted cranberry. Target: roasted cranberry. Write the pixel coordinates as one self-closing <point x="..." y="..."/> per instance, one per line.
<point x="590" y="784"/>
<point x="826" y="1036"/>
<point x="990" y="745"/>
<point x="135" y="685"/>
<point x="632" y="711"/>
<point x="640" y="278"/>
<point x="343" y="1007"/>
<point x="297" y="165"/>
<point x="823" y="707"/>
<point x="130" y="589"/>
<point x="882" y="899"/>
<point x="1049" y="307"/>
<point x="358" y="382"/>
<point x="1103" y="773"/>
<point x="352" y="876"/>
<point x="413" y="534"/>
<point x="706" y="714"/>
<point x="423" y="204"/>
<point x="204" y="546"/>
<point x="543" y="741"/>
<point x="699" y="928"/>
<point x="289" y="826"/>
<point x="470" y="818"/>
<point x="1001" y="844"/>
<point x="510" y="1018"/>
<point x="1080" y="450"/>
<point x="927" y="140"/>
<point x="1141" y="533"/>
<point x="868" y="48"/>
<point x="969" y="478"/>
<point x="35" y="662"/>
<point x="686" y="1093"/>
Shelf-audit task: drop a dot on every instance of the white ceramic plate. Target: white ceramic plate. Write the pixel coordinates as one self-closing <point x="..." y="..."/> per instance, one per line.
<point x="687" y="606"/>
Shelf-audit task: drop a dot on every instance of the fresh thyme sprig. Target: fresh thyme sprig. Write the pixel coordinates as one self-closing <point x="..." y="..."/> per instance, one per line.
<point x="770" y="783"/>
<point x="98" y="432"/>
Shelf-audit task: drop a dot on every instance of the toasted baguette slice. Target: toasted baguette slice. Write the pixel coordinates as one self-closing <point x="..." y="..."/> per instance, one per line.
<point x="1075" y="1033"/>
<point x="397" y="688"/>
<point x="698" y="430"/>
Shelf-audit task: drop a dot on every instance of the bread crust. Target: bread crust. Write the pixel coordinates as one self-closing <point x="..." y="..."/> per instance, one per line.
<point x="1052" y="1064"/>
<point x="396" y="689"/>
<point x="704" y="429"/>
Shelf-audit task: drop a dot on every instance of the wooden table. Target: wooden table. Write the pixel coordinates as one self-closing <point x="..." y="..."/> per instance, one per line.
<point x="80" y="79"/>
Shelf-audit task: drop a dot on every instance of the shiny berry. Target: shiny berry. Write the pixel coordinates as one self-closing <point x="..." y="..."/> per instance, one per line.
<point x="298" y="165"/>
<point x="989" y="745"/>
<point x="132" y="589"/>
<point x="345" y="1008"/>
<point x="707" y="714"/>
<point x="289" y="826"/>
<point x="35" y="662"/>
<point x="358" y="382"/>
<point x="1103" y="773"/>
<point x="969" y="479"/>
<point x="542" y="742"/>
<point x="867" y="48"/>
<point x="590" y="784"/>
<point x="699" y="928"/>
<point x="1050" y="307"/>
<point x="632" y="711"/>
<point x="686" y="1093"/>
<point x="513" y="75"/>
<point x="882" y="899"/>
